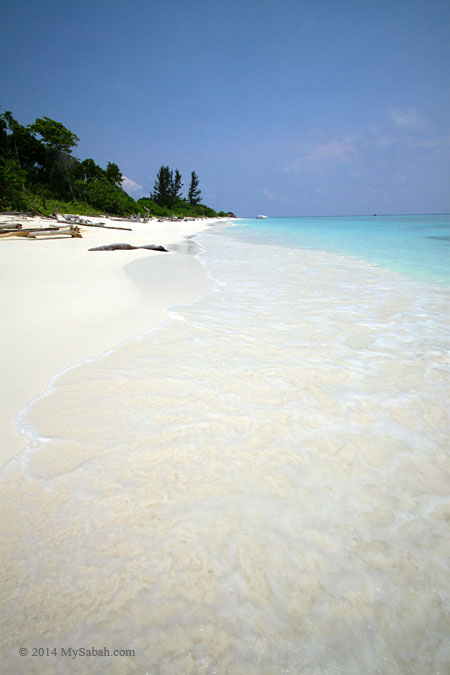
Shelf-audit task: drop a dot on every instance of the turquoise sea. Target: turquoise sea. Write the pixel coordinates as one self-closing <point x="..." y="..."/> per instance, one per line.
<point x="261" y="484"/>
<point x="415" y="245"/>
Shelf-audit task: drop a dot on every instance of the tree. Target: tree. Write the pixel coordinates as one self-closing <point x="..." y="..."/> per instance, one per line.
<point x="12" y="181"/>
<point x="194" y="192"/>
<point x="89" y="169"/>
<point x="59" y="142"/>
<point x="113" y="174"/>
<point x="54" y="134"/>
<point x="37" y="166"/>
<point x="162" y="190"/>
<point x="176" y="186"/>
<point x="18" y="143"/>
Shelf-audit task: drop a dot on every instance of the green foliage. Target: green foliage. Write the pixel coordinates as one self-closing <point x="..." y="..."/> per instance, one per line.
<point x="194" y="192"/>
<point x="12" y="184"/>
<point x="180" y="209"/>
<point x="108" y="198"/>
<point x="89" y="169"/>
<point x="176" y="186"/>
<point x="34" y="203"/>
<point x="39" y="173"/>
<point x="54" y="134"/>
<point x="167" y="188"/>
<point x="113" y="174"/>
<point x="162" y="189"/>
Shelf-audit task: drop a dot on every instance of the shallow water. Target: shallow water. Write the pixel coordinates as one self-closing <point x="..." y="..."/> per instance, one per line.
<point x="417" y="246"/>
<point x="258" y="486"/>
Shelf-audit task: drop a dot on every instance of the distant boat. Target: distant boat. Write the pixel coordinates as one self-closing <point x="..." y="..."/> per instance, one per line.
<point x="260" y="217"/>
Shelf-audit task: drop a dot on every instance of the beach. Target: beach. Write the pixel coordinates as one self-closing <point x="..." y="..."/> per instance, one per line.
<point x="257" y="485"/>
<point x="61" y="304"/>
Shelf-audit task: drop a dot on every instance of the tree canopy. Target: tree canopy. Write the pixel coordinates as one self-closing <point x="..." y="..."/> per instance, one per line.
<point x="54" y="134"/>
<point x="38" y="172"/>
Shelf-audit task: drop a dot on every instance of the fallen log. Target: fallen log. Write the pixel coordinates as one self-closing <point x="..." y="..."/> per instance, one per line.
<point x="27" y="230"/>
<point x="56" y="232"/>
<point x="10" y="227"/>
<point x="105" y="227"/>
<point x="85" y="223"/>
<point x="128" y="247"/>
<point x="70" y="219"/>
<point x="18" y="233"/>
<point x="35" y="233"/>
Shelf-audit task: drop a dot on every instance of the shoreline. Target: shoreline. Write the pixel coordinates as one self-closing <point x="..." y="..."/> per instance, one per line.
<point x="286" y="430"/>
<point x="62" y="305"/>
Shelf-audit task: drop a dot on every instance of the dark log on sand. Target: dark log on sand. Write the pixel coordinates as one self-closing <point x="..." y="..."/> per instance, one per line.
<point x="128" y="247"/>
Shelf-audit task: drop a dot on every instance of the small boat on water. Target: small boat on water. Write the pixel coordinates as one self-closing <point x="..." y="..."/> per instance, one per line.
<point x="260" y="217"/>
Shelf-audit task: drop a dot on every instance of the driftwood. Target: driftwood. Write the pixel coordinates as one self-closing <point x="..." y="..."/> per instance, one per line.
<point x="55" y="232"/>
<point x="87" y="223"/>
<point x="33" y="233"/>
<point x="10" y="227"/>
<point x="105" y="227"/>
<point x="128" y="247"/>
<point x="5" y="235"/>
<point x="25" y="231"/>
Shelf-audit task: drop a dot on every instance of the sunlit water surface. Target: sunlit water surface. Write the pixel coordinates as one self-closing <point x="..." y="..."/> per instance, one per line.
<point x="259" y="486"/>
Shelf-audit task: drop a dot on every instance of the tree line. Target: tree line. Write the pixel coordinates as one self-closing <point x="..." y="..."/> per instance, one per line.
<point x="168" y="188"/>
<point x="38" y="172"/>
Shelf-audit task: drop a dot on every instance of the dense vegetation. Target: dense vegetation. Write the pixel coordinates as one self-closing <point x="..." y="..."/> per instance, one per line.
<point x="38" y="172"/>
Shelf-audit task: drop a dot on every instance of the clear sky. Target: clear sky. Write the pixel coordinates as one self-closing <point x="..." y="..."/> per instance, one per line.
<point x="283" y="107"/>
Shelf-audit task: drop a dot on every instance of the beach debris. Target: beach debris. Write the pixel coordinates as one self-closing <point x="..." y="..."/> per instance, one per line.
<point x="88" y="223"/>
<point x="136" y="217"/>
<point x="10" y="226"/>
<point x="105" y="227"/>
<point x="47" y="232"/>
<point x="128" y="247"/>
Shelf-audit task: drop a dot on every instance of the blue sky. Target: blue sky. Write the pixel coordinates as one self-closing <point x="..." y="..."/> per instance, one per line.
<point x="284" y="107"/>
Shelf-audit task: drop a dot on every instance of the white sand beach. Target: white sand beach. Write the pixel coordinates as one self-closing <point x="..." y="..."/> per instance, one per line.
<point x="61" y="304"/>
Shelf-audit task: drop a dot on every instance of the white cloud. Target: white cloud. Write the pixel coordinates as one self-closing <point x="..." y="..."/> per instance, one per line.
<point x="130" y="185"/>
<point x="319" y="155"/>
<point x="408" y="118"/>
